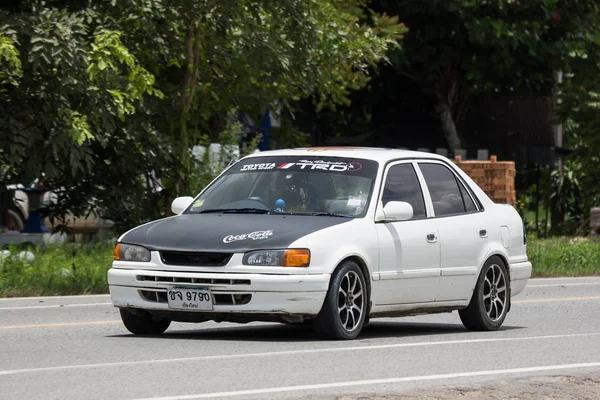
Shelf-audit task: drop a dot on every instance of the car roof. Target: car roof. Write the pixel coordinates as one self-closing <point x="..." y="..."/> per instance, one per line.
<point x="379" y="154"/>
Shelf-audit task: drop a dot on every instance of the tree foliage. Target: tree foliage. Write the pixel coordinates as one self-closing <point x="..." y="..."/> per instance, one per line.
<point x="11" y="68"/>
<point x="102" y="101"/>
<point x="576" y="182"/>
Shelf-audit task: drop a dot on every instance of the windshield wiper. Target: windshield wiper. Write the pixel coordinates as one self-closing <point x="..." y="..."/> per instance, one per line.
<point x="235" y="210"/>
<point x="328" y="214"/>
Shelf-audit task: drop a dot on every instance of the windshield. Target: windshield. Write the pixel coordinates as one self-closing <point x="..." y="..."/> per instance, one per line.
<point x="291" y="184"/>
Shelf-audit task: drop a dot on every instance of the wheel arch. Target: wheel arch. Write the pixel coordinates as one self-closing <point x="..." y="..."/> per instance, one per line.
<point x="504" y="260"/>
<point x="489" y="255"/>
<point x="365" y="270"/>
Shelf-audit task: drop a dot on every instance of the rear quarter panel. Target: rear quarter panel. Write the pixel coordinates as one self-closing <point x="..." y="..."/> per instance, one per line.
<point x="507" y="229"/>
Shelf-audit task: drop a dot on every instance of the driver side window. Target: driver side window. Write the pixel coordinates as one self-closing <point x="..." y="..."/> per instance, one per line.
<point x="402" y="184"/>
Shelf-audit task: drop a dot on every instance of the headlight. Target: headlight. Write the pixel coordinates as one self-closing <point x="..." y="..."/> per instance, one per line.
<point x="278" y="258"/>
<point x="129" y="252"/>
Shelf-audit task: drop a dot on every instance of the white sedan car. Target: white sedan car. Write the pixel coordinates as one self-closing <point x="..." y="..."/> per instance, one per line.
<point x="330" y="236"/>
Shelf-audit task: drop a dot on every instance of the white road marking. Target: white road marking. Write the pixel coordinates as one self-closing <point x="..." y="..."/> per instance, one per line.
<point x="379" y="381"/>
<point x="61" y="324"/>
<point x="555" y="300"/>
<point x="291" y="352"/>
<point x="81" y="296"/>
<point x="566" y="278"/>
<point x="563" y="284"/>
<point x="55" y="306"/>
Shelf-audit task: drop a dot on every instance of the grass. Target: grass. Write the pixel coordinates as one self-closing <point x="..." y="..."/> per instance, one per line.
<point x="81" y="269"/>
<point x="564" y="257"/>
<point x="57" y="270"/>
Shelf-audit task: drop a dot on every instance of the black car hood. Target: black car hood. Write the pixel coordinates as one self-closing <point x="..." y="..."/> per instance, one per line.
<point x="227" y="232"/>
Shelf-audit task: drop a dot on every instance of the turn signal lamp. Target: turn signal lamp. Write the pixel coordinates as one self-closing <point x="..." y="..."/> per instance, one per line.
<point x="296" y="258"/>
<point x="117" y="252"/>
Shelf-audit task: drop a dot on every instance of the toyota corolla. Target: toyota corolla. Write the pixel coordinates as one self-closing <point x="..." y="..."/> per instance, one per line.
<point x="331" y="237"/>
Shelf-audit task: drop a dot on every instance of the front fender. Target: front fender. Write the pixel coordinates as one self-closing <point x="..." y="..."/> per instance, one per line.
<point x="330" y="246"/>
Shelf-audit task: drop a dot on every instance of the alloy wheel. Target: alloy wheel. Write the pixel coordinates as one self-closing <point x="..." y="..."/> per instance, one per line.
<point x="494" y="292"/>
<point x="351" y="301"/>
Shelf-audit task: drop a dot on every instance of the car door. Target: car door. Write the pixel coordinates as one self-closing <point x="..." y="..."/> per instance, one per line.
<point x="463" y="230"/>
<point x="409" y="251"/>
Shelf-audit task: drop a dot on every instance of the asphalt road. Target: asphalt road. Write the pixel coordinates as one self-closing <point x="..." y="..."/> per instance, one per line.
<point x="76" y="347"/>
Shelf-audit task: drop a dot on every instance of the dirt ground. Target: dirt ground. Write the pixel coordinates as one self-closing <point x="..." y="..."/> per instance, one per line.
<point x="582" y="387"/>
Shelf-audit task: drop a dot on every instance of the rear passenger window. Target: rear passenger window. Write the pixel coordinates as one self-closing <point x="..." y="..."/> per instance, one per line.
<point x="402" y="184"/>
<point x="444" y="190"/>
<point x="469" y="205"/>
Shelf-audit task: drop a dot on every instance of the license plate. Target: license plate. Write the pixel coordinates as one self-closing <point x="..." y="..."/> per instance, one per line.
<point x="190" y="299"/>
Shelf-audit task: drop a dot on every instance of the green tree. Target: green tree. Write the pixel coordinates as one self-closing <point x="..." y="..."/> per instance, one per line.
<point x="576" y="183"/>
<point x="110" y="96"/>
<point x="251" y="56"/>
<point x="67" y="87"/>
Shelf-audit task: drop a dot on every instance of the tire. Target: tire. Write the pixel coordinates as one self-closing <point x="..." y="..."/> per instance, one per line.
<point x="14" y="221"/>
<point x="347" y="321"/>
<point x="491" y="298"/>
<point x="143" y="324"/>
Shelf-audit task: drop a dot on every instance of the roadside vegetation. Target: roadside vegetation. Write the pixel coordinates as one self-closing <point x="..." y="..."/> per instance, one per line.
<point x="55" y="270"/>
<point x="564" y="256"/>
<point x="81" y="269"/>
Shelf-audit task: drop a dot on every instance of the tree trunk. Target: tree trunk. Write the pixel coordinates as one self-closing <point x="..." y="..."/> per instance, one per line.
<point x="448" y="125"/>
<point x="558" y="206"/>
<point x="180" y="181"/>
<point x="192" y="66"/>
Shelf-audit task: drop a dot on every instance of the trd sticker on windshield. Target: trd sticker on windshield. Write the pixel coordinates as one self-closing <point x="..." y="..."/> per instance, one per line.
<point x="309" y="164"/>
<point x="256" y="235"/>
<point x="338" y="166"/>
<point x="258" y="167"/>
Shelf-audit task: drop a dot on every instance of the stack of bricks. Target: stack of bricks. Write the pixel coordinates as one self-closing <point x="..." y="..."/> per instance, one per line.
<point x="495" y="178"/>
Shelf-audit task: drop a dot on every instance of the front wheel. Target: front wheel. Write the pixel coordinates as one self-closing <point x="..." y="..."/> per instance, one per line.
<point x="143" y="324"/>
<point x="345" y="308"/>
<point x="491" y="298"/>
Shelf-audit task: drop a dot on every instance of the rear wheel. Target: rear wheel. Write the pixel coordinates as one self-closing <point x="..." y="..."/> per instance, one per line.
<point x="490" y="302"/>
<point x="345" y="308"/>
<point x="143" y="324"/>
<point x="14" y="221"/>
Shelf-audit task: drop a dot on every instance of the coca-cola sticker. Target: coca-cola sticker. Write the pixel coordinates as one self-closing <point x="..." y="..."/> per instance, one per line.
<point x="256" y="235"/>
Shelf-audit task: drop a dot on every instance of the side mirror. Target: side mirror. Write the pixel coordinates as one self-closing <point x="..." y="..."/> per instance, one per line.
<point x="394" y="211"/>
<point x="181" y="203"/>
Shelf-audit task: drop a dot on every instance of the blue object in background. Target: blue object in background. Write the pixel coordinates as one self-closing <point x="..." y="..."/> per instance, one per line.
<point x="269" y="121"/>
<point x="265" y="127"/>
<point x="280" y="203"/>
<point x="35" y="222"/>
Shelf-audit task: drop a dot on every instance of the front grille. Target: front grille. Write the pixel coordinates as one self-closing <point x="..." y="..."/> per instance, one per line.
<point x="220" y="299"/>
<point x="195" y="259"/>
<point x="231" y="299"/>
<point x="201" y="281"/>
<point x="154" y="296"/>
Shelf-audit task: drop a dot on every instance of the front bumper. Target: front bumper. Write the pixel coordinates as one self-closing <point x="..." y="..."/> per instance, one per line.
<point x="233" y="293"/>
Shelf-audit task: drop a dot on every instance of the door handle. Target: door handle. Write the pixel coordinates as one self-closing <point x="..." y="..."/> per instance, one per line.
<point x="431" y="238"/>
<point x="483" y="233"/>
